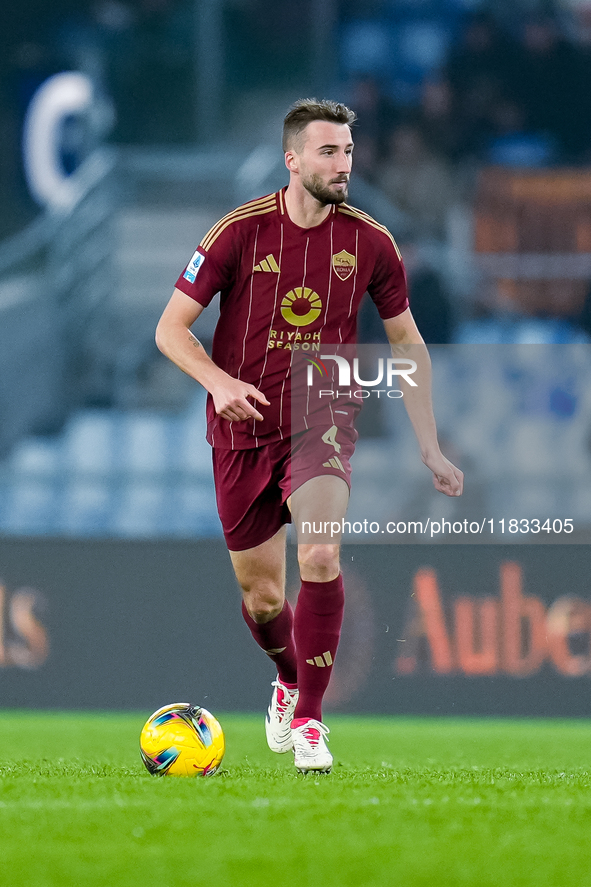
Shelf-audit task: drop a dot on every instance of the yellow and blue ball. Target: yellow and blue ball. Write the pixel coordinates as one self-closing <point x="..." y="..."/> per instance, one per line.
<point x="182" y="740"/>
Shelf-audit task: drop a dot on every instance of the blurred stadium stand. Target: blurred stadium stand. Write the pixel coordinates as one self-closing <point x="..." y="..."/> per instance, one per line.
<point x="533" y="236"/>
<point x="56" y="288"/>
<point x="132" y="473"/>
<point x="517" y="418"/>
<point x="99" y="434"/>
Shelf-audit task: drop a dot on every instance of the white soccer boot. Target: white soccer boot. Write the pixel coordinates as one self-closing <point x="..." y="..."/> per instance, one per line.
<point x="309" y="747"/>
<point x="279" y="718"/>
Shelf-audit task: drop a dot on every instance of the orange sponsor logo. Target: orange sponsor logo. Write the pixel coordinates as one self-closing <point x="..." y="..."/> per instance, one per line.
<point x="514" y="633"/>
<point x="23" y="640"/>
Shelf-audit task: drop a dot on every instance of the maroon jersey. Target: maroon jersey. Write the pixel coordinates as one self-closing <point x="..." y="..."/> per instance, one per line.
<point x="284" y="289"/>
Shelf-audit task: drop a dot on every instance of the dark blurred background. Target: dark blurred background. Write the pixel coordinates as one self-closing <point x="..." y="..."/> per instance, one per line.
<point x="473" y="146"/>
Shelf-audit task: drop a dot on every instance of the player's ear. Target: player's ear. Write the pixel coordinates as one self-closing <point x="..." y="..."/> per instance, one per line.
<point x="291" y="161"/>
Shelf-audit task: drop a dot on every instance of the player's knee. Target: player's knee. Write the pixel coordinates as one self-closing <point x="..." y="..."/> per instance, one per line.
<point x="262" y="611"/>
<point x="318" y="563"/>
<point x="263" y="602"/>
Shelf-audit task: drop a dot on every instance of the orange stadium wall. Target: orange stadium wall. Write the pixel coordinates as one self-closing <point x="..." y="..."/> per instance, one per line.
<point x="483" y="630"/>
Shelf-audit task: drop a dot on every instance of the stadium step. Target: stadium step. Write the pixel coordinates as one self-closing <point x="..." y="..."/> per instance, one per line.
<point x="113" y="473"/>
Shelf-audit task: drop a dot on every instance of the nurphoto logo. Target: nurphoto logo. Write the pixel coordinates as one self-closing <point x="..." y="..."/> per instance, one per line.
<point x="389" y="370"/>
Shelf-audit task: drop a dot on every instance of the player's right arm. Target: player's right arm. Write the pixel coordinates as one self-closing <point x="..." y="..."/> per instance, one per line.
<point x="175" y="340"/>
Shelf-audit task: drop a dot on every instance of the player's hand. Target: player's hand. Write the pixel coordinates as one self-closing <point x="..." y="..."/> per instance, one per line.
<point x="230" y="400"/>
<point x="446" y="477"/>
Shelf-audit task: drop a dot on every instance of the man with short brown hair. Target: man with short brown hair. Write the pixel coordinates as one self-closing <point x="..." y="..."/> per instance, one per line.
<point x="308" y="111"/>
<point x="292" y="268"/>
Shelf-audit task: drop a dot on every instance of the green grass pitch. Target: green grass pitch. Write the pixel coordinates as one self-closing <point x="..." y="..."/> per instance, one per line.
<point x="410" y="801"/>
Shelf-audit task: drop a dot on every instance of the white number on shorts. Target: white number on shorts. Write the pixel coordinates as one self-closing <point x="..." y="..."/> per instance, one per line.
<point x="330" y="437"/>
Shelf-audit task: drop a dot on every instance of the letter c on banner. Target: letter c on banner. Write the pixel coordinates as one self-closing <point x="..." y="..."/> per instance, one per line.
<point x="59" y="97"/>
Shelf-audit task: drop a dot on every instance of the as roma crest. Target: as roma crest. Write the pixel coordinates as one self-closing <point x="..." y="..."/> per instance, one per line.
<point x="343" y="264"/>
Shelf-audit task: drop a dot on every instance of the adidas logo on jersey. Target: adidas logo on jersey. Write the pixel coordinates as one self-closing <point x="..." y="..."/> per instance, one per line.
<point x="321" y="661"/>
<point x="334" y="462"/>
<point x="268" y="264"/>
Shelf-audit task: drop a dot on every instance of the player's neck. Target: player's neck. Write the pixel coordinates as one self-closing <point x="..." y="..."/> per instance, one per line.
<point x="303" y="209"/>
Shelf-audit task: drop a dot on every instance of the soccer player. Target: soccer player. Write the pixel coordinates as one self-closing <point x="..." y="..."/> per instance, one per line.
<point x="292" y="268"/>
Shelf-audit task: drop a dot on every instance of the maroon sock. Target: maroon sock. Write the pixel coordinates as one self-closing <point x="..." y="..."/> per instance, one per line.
<point x="317" y="629"/>
<point x="276" y="639"/>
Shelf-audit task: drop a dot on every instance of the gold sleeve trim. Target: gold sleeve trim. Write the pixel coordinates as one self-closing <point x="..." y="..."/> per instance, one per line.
<point x="363" y="217"/>
<point x="255" y="207"/>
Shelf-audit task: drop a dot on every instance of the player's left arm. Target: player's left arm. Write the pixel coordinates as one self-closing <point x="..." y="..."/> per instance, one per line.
<point x="406" y="342"/>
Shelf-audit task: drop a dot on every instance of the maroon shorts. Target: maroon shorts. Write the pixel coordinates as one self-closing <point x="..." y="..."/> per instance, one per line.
<point x="252" y="486"/>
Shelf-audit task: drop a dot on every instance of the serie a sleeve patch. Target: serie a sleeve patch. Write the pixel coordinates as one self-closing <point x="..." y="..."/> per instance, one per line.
<point x="194" y="266"/>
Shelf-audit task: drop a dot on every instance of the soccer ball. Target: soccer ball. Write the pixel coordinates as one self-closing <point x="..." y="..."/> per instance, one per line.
<point x="182" y="740"/>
